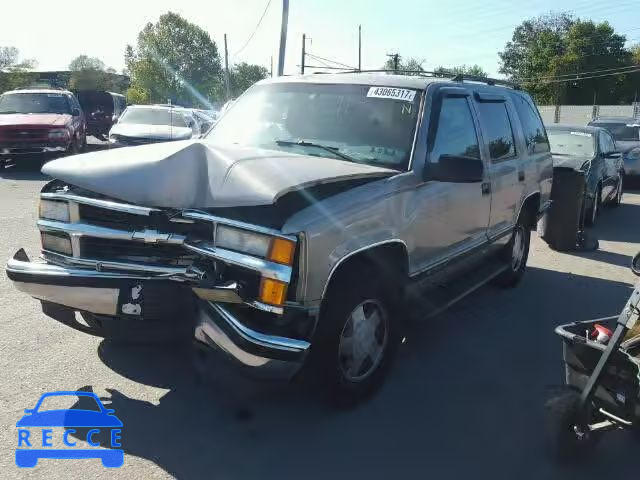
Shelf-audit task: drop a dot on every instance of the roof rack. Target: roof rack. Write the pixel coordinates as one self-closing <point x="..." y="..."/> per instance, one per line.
<point x="461" y="77"/>
<point x="429" y="74"/>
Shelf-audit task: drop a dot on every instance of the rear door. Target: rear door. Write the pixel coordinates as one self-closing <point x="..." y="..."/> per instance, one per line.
<point x="610" y="165"/>
<point x="506" y="170"/>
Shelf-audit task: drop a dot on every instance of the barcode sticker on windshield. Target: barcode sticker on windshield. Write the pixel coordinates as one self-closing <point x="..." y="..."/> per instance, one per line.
<point x="581" y="134"/>
<point x="392" y="93"/>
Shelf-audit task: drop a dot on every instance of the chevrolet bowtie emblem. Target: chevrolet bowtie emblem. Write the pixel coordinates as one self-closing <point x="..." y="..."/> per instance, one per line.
<point x="151" y="236"/>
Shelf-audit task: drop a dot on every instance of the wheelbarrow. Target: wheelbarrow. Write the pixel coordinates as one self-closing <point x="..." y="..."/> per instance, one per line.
<point x="602" y="381"/>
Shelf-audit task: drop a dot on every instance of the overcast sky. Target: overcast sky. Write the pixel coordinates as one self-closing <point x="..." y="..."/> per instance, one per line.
<point x="444" y="33"/>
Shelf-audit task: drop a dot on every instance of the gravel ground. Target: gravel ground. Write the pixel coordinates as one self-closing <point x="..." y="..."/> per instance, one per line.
<point x="464" y="400"/>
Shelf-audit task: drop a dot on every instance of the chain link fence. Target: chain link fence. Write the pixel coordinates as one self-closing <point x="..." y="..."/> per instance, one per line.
<point x="582" y="114"/>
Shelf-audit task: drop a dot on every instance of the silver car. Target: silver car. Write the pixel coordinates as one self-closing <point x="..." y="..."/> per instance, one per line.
<point x="300" y="231"/>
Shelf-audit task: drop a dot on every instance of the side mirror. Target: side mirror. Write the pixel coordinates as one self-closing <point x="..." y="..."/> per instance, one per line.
<point x="456" y="169"/>
<point x="75" y="112"/>
<point x="635" y="264"/>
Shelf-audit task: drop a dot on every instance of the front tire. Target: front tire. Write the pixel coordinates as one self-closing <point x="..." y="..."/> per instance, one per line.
<point x="568" y="438"/>
<point x="592" y="215"/>
<point x="516" y="254"/>
<point x="356" y="338"/>
<point x="619" y="192"/>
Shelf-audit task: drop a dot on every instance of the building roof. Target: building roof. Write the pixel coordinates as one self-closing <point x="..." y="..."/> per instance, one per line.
<point x="38" y="90"/>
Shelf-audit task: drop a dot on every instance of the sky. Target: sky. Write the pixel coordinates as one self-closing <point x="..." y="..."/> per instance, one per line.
<point x="442" y="33"/>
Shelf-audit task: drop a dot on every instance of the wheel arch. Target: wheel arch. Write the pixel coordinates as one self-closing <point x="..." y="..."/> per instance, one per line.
<point x="389" y="257"/>
<point x="530" y="206"/>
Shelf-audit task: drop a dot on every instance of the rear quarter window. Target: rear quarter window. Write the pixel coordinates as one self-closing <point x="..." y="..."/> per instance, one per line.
<point x="534" y="131"/>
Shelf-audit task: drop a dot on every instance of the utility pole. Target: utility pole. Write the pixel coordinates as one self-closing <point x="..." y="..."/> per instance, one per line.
<point x="359" y="47"/>
<point x="271" y="66"/>
<point x="304" y="42"/>
<point x="396" y="60"/>
<point x="226" y="69"/>
<point x="283" y="36"/>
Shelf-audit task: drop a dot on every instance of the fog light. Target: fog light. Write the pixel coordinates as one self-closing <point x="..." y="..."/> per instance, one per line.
<point x="272" y="292"/>
<point x="56" y="243"/>
<point x="281" y="251"/>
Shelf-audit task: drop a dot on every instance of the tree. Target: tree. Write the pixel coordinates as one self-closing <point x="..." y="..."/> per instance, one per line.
<point x="174" y="59"/>
<point x="546" y="52"/>
<point x="474" y="70"/>
<point x="84" y="62"/>
<point x="137" y="96"/>
<point x="406" y="66"/>
<point x="243" y="75"/>
<point x="14" y="73"/>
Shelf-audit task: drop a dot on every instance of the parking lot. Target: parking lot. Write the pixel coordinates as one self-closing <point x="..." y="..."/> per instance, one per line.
<point x="464" y="400"/>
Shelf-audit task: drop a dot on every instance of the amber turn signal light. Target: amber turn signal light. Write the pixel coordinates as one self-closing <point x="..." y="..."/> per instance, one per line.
<point x="272" y="292"/>
<point x="281" y="251"/>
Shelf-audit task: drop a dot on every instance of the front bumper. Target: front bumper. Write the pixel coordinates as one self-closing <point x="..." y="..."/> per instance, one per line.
<point x="32" y="149"/>
<point x="134" y="305"/>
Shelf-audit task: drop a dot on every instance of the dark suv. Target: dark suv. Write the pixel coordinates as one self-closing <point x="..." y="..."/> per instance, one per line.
<point x="41" y="123"/>
<point x="626" y="133"/>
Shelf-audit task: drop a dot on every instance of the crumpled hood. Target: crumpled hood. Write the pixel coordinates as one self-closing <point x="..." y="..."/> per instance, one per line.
<point x="36" y="119"/>
<point x="195" y="174"/>
<point x="160" y="132"/>
<point x="573" y="162"/>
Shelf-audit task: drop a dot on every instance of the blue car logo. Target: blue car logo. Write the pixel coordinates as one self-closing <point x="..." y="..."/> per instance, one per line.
<point x="31" y="447"/>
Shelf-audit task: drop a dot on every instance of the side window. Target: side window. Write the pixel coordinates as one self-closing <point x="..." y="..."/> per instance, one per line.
<point x="534" y="131"/>
<point x="497" y="130"/>
<point x="456" y="131"/>
<point x="602" y="142"/>
<point x="609" y="143"/>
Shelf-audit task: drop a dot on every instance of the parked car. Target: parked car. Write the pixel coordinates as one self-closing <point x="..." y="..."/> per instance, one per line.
<point x="593" y="151"/>
<point x="298" y="229"/>
<point x="102" y="110"/>
<point x="40" y="123"/>
<point x="142" y="124"/>
<point x="205" y="118"/>
<point x="626" y="133"/>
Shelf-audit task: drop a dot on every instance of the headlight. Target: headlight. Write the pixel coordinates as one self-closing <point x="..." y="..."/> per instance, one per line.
<point x="56" y="243"/>
<point x="243" y="241"/>
<point x="54" y="210"/>
<point x="58" y="134"/>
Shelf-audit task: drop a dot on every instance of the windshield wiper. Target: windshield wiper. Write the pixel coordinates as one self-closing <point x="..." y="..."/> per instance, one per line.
<point x="303" y="143"/>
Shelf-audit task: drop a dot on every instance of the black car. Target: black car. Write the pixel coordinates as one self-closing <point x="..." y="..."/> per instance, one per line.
<point x="102" y="109"/>
<point x="626" y="133"/>
<point x="593" y="151"/>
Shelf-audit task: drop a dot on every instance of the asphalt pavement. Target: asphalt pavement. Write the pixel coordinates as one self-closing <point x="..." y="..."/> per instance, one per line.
<point x="463" y="401"/>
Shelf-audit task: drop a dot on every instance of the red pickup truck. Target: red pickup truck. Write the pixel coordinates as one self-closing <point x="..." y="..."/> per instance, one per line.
<point x="41" y="123"/>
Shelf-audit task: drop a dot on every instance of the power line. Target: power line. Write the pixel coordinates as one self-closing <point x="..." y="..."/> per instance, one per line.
<point x="255" y="29"/>
<point x="317" y="57"/>
<point x="577" y="74"/>
<point x="586" y="78"/>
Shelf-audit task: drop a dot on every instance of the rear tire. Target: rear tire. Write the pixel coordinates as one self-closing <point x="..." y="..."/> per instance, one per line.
<point x="515" y="254"/>
<point x="563" y="417"/>
<point x="617" y="200"/>
<point x="357" y="336"/>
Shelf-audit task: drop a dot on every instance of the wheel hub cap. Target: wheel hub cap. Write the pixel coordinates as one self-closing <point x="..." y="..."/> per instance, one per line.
<point x="363" y="340"/>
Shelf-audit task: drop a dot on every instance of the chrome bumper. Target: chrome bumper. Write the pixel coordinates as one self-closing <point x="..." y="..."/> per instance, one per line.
<point x="261" y="355"/>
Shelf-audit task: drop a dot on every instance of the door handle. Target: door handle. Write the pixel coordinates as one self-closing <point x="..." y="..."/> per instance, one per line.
<point x="521" y="176"/>
<point x="486" y="188"/>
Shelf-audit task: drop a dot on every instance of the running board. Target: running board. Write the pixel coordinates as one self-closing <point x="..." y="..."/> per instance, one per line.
<point x="431" y="301"/>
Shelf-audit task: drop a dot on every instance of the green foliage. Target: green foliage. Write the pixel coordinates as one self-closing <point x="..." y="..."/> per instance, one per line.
<point x="174" y="59"/>
<point x="84" y="62"/>
<point x="475" y="70"/>
<point x="405" y="65"/>
<point x="137" y="96"/>
<point x="13" y="72"/>
<point x="243" y="75"/>
<point x="555" y="47"/>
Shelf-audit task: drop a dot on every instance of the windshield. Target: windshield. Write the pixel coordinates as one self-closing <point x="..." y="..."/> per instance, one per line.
<point x="34" y="103"/>
<point x="566" y="142"/>
<point x="372" y="125"/>
<point x="153" y="116"/>
<point x="622" y="132"/>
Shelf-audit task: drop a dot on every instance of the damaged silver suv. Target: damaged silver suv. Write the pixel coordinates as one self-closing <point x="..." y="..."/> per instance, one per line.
<point x="302" y="230"/>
